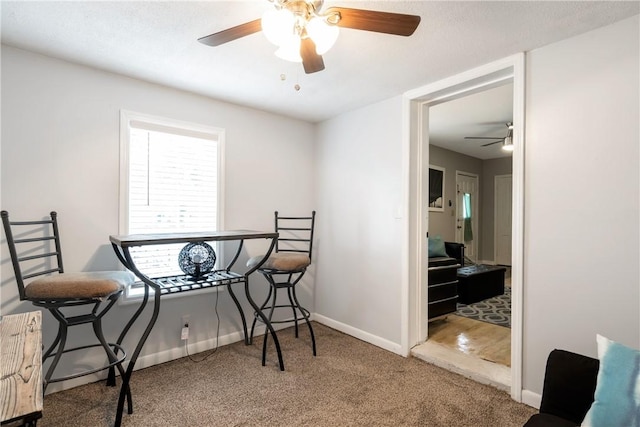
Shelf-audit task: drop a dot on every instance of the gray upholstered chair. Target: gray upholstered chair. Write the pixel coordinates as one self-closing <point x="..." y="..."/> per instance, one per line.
<point x="36" y="254"/>
<point x="284" y="269"/>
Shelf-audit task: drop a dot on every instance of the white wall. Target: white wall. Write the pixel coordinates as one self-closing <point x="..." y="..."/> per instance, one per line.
<point x="358" y="193"/>
<point x="60" y="151"/>
<point x="581" y="205"/>
<point x="581" y="186"/>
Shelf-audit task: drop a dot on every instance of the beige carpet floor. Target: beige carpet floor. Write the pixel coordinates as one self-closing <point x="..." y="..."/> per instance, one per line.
<point x="349" y="383"/>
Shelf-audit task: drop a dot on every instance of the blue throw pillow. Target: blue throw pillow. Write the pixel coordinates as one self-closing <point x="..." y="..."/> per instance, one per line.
<point x="436" y="247"/>
<point x="617" y="396"/>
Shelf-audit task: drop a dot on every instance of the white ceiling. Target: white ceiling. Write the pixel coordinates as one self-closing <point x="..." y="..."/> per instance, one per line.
<point x="483" y="114"/>
<point x="156" y="41"/>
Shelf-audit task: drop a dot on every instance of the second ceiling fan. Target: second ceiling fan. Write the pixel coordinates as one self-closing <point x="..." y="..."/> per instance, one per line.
<point x="303" y="33"/>
<point x="507" y="141"/>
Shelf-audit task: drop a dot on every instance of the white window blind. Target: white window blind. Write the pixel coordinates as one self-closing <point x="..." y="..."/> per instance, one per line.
<point x="172" y="187"/>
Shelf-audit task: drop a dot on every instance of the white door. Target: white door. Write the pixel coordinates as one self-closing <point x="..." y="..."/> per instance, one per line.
<point x="502" y="225"/>
<point x="467" y="212"/>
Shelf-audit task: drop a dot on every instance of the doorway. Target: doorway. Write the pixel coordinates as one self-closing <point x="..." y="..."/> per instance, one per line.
<point x="502" y="220"/>
<point x="467" y="213"/>
<point x="416" y="156"/>
<point x="466" y="137"/>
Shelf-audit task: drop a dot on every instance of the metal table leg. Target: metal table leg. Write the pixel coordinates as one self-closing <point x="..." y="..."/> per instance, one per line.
<point x="258" y="310"/>
<point x="124" y="390"/>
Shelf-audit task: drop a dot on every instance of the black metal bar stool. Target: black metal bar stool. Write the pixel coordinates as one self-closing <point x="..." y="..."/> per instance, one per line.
<point x="36" y="253"/>
<point x="284" y="269"/>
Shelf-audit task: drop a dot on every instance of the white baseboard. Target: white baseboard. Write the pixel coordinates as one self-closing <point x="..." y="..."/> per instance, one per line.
<point x="148" y="360"/>
<point x="178" y="352"/>
<point x="532" y="399"/>
<point x="164" y="356"/>
<point x="360" y="334"/>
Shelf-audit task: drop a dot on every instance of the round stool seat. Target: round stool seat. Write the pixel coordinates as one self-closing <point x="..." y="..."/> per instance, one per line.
<point x="98" y="284"/>
<point x="282" y="262"/>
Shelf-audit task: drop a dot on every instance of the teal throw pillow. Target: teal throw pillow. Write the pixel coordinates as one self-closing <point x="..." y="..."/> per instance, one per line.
<point x="436" y="247"/>
<point x="617" y="396"/>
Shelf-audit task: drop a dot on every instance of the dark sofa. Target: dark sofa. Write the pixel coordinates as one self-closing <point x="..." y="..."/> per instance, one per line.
<point x="455" y="255"/>
<point x="568" y="390"/>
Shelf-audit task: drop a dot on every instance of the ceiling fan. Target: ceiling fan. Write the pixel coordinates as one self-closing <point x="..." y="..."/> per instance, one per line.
<point x="507" y="141"/>
<point x="303" y="33"/>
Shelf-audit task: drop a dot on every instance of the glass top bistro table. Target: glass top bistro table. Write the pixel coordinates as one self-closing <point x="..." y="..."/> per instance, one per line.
<point x="184" y="283"/>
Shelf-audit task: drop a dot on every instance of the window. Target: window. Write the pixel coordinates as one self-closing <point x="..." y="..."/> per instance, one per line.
<point x="171" y="180"/>
<point x="466" y="216"/>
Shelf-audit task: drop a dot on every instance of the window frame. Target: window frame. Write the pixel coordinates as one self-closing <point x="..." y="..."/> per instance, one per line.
<point x="135" y="292"/>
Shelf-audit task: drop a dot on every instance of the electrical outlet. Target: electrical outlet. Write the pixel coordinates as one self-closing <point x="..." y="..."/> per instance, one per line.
<point x="184" y="335"/>
<point x="184" y="331"/>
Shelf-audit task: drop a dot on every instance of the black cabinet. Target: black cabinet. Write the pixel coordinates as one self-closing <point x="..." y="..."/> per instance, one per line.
<point x="443" y="286"/>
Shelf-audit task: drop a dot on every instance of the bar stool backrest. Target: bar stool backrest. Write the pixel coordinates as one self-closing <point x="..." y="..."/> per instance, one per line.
<point x="40" y="251"/>
<point x="295" y="234"/>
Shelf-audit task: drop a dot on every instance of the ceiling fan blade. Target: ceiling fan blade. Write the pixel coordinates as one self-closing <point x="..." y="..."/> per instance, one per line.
<point x="231" y="34"/>
<point x="379" y="22"/>
<point x="483" y="137"/>
<point x="491" y="143"/>
<point x="311" y="61"/>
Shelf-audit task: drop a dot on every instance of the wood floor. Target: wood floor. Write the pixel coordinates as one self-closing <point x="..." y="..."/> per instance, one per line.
<point x="472" y="337"/>
<point x="478" y="350"/>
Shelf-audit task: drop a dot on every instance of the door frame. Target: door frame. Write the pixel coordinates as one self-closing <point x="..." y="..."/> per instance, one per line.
<point x="476" y="215"/>
<point x="415" y="222"/>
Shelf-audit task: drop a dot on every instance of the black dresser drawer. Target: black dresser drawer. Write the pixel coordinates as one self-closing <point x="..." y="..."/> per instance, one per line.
<point x="442" y="307"/>
<point x="443" y="291"/>
<point x="443" y="274"/>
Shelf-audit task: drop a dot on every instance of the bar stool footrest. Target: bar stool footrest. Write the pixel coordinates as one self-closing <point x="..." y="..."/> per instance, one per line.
<point x="116" y="347"/>
<point x="304" y="311"/>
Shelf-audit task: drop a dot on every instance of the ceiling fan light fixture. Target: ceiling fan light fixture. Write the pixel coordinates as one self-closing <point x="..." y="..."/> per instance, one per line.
<point x="324" y="35"/>
<point x="315" y="31"/>
<point x="278" y="25"/>
<point x="289" y="50"/>
<point x="507" y="144"/>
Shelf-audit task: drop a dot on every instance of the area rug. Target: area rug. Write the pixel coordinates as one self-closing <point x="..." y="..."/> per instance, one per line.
<point x="496" y="310"/>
